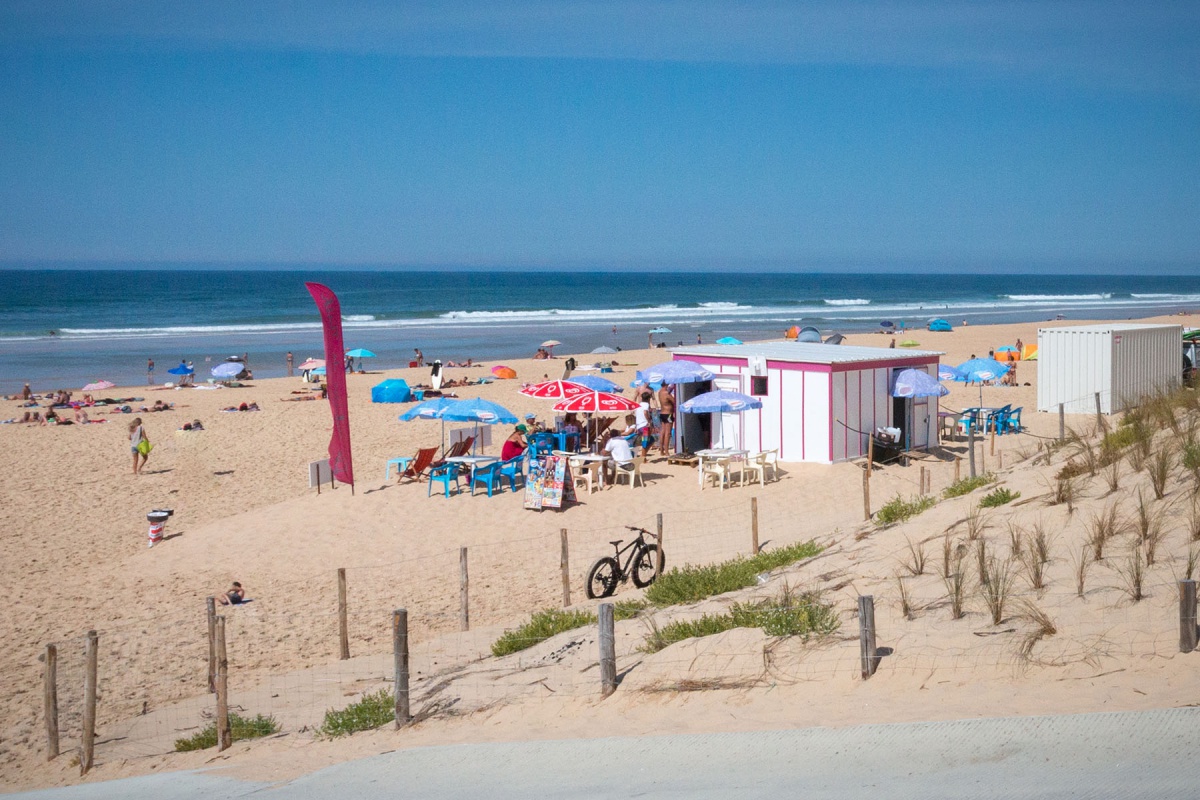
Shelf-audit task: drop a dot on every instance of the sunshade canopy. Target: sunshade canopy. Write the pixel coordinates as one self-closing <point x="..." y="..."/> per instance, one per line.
<point x="596" y="383"/>
<point x="393" y="390"/>
<point x="360" y="353"/>
<point x="182" y="369"/>
<point x="673" y="372"/>
<point x="720" y="401"/>
<point x="729" y="340"/>
<point x="555" y="390"/>
<point x="551" y="343"/>
<point x="604" y="349"/>
<point x="504" y="373"/>
<point x="980" y="369"/>
<point x="228" y="369"/>
<point x="99" y="386"/>
<point x="478" y="410"/>
<point x="597" y="403"/>
<point x="917" y="383"/>
<point x="428" y="409"/>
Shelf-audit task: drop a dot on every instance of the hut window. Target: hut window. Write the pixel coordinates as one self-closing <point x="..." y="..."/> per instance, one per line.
<point x="758" y="385"/>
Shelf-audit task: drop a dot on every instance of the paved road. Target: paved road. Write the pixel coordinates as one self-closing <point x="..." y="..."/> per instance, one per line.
<point x="1120" y="755"/>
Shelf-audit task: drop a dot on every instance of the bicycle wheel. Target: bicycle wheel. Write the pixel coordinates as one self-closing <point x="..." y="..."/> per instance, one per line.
<point x="645" y="566"/>
<point x="603" y="577"/>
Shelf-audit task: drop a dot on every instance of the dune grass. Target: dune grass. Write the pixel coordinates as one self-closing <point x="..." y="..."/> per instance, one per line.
<point x="240" y="728"/>
<point x="801" y="614"/>
<point x="373" y="711"/>
<point x="689" y="584"/>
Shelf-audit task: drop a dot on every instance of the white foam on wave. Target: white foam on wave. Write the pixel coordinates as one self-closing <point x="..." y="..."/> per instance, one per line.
<point x="722" y="306"/>
<point x="358" y="318"/>
<point x="857" y="301"/>
<point x="1043" y="298"/>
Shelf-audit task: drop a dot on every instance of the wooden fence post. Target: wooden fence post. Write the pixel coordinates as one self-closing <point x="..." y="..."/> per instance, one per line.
<point x="753" y="526"/>
<point x="211" y="609"/>
<point x="608" y="651"/>
<point x="992" y="443"/>
<point x="870" y="454"/>
<point x="464" y="591"/>
<point x="866" y="635"/>
<point x="343" y="621"/>
<point x="224" y="738"/>
<point x="922" y="489"/>
<point x="1062" y="423"/>
<point x="971" y="447"/>
<point x="867" y="495"/>
<point x="1099" y="417"/>
<point x="1187" y="616"/>
<point x="957" y="468"/>
<point x="400" y="665"/>
<point x="50" y="701"/>
<point x="658" y="568"/>
<point x="88" y="743"/>
<point x="564" y="566"/>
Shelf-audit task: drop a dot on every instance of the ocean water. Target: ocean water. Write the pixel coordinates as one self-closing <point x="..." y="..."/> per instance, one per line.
<point x="61" y="329"/>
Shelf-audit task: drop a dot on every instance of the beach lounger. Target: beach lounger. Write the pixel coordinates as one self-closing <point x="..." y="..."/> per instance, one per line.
<point x="422" y="461"/>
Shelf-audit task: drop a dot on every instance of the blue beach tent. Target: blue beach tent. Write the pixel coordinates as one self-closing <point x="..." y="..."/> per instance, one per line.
<point x="393" y="390"/>
<point x="939" y="325"/>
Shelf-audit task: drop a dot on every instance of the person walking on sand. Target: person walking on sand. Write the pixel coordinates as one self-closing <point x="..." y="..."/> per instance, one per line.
<point x="289" y="363"/>
<point x="139" y="444"/>
<point x="149" y="371"/>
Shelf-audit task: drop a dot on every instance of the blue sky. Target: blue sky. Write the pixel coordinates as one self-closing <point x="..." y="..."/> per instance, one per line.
<point x="835" y="135"/>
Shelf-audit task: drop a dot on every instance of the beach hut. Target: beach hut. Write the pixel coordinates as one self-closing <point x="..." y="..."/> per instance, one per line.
<point x="393" y="390"/>
<point x="820" y="404"/>
<point x="1121" y="362"/>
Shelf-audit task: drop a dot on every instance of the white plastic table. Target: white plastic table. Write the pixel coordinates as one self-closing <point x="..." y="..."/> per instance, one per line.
<point x="718" y="453"/>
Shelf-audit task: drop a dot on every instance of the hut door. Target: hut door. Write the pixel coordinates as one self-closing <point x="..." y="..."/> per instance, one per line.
<point x="902" y="418"/>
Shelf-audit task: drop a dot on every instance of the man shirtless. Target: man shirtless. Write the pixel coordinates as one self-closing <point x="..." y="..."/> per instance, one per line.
<point x="666" y="405"/>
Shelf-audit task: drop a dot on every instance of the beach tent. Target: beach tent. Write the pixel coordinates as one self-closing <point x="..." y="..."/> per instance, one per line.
<point x="939" y="325"/>
<point x="809" y="334"/>
<point x="1029" y="352"/>
<point x="393" y="390"/>
<point x="792" y="332"/>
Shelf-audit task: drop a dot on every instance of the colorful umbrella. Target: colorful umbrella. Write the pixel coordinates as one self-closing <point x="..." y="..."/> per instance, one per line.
<point x="673" y="372"/>
<point x="311" y="363"/>
<point x="597" y="384"/>
<point x="555" y="390"/>
<point x="603" y="349"/>
<point x="947" y="373"/>
<point x="728" y="340"/>
<point x="182" y="369"/>
<point x="228" y="369"/>
<point x="597" y="403"/>
<point x="503" y="372"/>
<point x="430" y="409"/>
<point x="551" y="343"/>
<point x="99" y="386"/>
<point x="917" y="383"/>
<point x="720" y="401"/>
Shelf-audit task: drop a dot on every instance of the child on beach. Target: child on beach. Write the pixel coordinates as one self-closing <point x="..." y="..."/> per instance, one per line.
<point x="139" y="444"/>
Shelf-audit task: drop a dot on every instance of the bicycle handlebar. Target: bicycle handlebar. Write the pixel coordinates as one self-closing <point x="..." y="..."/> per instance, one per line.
<point x="642" y="531"/>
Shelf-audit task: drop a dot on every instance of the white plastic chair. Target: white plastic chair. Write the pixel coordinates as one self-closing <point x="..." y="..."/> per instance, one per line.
<point x="633" y="473"/>
<point x="755" y="465"/>
<point x="717" y="468"/>
<point x="586" y="473"/>
<point x="770" y="460"/>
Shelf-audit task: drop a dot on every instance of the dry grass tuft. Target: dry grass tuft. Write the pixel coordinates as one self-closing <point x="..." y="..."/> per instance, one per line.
<point x="1043" y="627"/>
<point x="1080" y="563"/>
<point x="977" y="523"/>
<point x="916" y="558"/>
<point x="955" y="589"/>
<point x="997" y="587"/>
<point x="1160" y="470"/>
<point x="905" y="601"/>
<point x="1102" y="527"/>
<point x="1133" y="574"/>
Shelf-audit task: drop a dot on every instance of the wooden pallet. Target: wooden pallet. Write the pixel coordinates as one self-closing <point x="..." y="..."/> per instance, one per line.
<point x="686" y="459"/>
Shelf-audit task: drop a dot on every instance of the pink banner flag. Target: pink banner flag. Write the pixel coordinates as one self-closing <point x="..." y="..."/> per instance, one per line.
<point x="340" y="462"/>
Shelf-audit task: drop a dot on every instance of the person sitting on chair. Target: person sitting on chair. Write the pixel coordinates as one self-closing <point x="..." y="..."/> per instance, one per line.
<point x="515" y="444"/>
<point x="619" y="450"/>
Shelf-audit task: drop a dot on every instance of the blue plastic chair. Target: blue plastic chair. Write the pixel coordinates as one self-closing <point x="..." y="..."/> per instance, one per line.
<point x="995" y="419"/>
<point x="489" y="475"/>
<point x="1011" y="422"/>
<point x="513" y="469"/>
<point x="444" y="474"/>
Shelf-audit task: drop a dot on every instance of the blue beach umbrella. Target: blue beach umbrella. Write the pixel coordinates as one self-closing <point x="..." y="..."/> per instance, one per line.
<point x="980" y="369"/>
<point x="728" y="340"/>
<point x="597" y="384"/>
<point x="182" y="369"/>
<point x="360" y="353"/>
<point x="478" y="410"/>
<point x="228" y="369"/>
<point x="947" y="373"/>
<point x="721" y="401"/>
<point x="430" y="409"/>
<point x="917" y="383"/>
<point x="673" y="372"/>
<point x="660" y="329"/>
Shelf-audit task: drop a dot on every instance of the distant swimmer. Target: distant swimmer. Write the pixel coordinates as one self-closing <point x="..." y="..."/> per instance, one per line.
<point x="52" y="333"/>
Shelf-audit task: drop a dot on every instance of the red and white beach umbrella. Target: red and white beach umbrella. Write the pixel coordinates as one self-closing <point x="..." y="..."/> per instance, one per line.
<point x="597" y="403"/>
<point x="98" y="386"/>
<point x="555" y="390"/>
<point x="312" y="363"/>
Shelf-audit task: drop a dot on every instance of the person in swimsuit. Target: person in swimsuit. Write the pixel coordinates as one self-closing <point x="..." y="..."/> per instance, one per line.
<point x="233" y="597"/>
<point x="666" y="404"/>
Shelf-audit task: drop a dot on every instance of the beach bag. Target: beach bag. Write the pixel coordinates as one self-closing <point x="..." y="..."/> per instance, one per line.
<point x="144" y="447"/>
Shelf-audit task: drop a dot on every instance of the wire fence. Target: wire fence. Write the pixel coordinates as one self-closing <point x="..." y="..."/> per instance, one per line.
<point x="284" y="656"/>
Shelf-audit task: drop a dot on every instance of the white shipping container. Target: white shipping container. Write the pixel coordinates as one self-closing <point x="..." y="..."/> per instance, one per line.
<point x="1122" y="362"/>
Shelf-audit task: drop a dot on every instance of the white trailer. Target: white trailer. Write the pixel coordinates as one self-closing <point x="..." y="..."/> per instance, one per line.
<point x="1120" y="362"/>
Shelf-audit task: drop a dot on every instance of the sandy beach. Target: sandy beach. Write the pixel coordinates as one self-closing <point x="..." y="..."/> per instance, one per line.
<point x="73" y="530"/>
